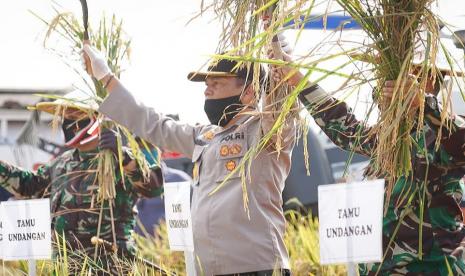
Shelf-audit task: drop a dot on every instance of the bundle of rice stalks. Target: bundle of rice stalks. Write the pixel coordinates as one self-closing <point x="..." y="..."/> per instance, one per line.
<point x="250" y="30"/>
<point x="242" y="21"/>
<point x="400" y="30"/>
<point x="250" y="27"/>
<point x="110" y="39"/>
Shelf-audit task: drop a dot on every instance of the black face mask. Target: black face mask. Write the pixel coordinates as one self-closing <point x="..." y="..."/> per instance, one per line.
<point x="71" y="126"/>
<point x="221" y="111"/>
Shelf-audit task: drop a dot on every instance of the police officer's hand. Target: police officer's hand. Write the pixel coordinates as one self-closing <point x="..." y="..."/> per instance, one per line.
<point x="281" y="50"/>
<point x="290" y="74"/>
<point x="98" y="64"/>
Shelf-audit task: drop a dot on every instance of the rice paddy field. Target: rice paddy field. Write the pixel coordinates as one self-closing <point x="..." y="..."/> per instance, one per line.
<point x="301" y="240"/>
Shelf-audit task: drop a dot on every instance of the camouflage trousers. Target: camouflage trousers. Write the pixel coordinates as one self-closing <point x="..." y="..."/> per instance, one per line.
<point x="433" y="265"/>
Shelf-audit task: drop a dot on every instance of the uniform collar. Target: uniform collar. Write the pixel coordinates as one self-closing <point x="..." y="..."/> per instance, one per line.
<point x="214" y="130"/>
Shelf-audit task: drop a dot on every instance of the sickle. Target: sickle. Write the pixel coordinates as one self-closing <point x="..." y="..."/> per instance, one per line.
<point x="85" y="18"/>
<point x="85" y="21"/>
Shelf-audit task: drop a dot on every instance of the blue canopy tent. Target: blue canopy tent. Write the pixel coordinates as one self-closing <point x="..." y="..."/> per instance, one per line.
<point x="330" y="22"/>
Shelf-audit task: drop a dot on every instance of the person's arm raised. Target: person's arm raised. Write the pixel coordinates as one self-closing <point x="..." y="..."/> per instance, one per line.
<point x="122" y="107"/>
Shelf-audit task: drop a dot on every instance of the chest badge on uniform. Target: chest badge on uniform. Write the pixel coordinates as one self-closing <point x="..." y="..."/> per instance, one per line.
<point x="235" y="149"/>
<point x="224" y="151"/>
<point x="230" y="150"/>
<point x="230" y="165"/>
<point x="208" y="135"/>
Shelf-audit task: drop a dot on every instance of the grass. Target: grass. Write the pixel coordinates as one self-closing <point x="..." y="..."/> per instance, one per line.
<point x="301" y="240"/>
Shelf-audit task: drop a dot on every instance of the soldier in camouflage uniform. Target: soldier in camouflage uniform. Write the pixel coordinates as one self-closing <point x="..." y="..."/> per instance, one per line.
<point x="443" y="231"/>
<point x="443" y="169"/>
<point x="70" y="182"/>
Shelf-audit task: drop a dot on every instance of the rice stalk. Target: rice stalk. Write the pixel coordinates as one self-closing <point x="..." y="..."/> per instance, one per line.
<point x="244" y="32"/>
<point x="99" y="227"/>
<point x="449" y="269"/>
<point x="301" y="239"/>
<point x="397" y="29"/>
<point x="246" y="40"/>
<point x="111" y="40"/>
<point x="302" y="242"/>
<point x="287" y="107"/>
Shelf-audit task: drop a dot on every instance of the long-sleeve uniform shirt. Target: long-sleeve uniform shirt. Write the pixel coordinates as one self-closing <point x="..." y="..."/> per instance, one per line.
<point x="226" y="241"/>
<point x="442" y="168"/>
<point x="70" y="182"/>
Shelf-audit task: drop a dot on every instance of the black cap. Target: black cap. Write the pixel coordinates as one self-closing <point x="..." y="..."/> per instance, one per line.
<point x="226" y="68"/>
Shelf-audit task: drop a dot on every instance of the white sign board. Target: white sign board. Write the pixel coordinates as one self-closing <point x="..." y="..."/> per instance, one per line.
<point x="351" y="222"/>
<point x="178" y="216"/>
<point x="26" y="233"/>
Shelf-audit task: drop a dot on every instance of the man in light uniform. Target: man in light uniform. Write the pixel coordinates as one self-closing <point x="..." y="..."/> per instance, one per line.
<point x="226" y="240"/>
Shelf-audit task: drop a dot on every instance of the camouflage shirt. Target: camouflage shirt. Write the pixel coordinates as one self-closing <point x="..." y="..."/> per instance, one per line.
<point x="70" y="182"/>
<point x="443" y="235"/>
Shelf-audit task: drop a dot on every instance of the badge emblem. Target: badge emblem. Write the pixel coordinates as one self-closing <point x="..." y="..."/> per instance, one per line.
<point x="224" y="151"/>
<point x="230" y="165"/>
<point x="208" y="135"/>
<point x="235" y="149"/>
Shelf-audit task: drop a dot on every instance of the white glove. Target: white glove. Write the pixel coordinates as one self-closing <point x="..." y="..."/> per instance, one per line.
<point x="98" y="62"/>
